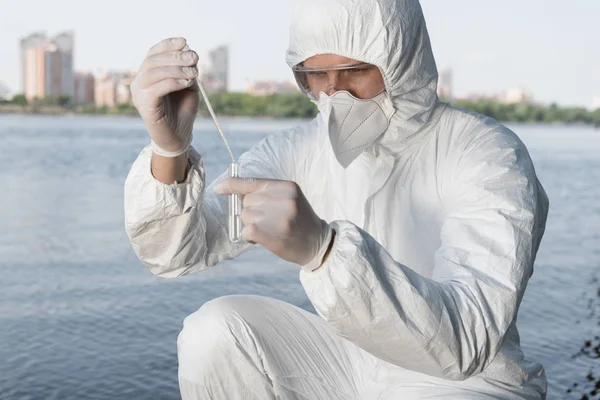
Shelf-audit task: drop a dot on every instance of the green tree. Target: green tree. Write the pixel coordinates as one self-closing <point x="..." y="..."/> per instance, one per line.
<point x="19" y="100"/>
<point x="296" y="105"/>
<point x="64" y="101"/>
<point x="596" y="117"/>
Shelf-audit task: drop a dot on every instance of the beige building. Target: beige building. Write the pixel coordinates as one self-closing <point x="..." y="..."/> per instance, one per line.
<point x="123" y="89"/>
<point x="34" y="73"/>
<point x="29" y="72"/>
<point x="47" y="66"/>
<point x="113" y="89"/>
<point x="516" y="96"/>
<point x="105" y="93"/>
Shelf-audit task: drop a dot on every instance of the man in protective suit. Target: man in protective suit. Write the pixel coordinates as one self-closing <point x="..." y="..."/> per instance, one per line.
<point x="416" y="225"/>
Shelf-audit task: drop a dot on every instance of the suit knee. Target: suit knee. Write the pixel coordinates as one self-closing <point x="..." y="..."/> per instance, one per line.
<point x="211" y="323"/>
<point x="212" y="333"/>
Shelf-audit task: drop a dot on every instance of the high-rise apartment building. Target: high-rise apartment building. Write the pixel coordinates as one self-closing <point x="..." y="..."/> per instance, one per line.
<point x="85" y="84"/>
<point x="47" y="66"/>
<point x="28" y="71"/>
<point x="65" y="43"/>
<point x="215" y="76"/>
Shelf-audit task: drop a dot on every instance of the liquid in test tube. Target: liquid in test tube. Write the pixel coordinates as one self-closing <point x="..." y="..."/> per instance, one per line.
<point x="235" y="208"/>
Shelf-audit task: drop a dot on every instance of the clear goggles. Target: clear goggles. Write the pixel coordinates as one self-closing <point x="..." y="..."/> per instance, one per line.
<point x="351" y="77"/>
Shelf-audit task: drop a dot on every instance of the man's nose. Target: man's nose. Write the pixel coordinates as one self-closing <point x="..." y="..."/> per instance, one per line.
<point x="331" y="90"/>
<point x="333" y="83"/>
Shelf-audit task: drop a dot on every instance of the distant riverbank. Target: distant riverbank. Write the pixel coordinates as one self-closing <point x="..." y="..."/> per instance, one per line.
<point x="296" y="105"/>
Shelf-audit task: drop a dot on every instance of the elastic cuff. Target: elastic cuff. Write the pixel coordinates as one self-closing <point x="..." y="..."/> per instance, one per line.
<point x="194" y="166"/>
<point x="318" y="259"/>
<point x="170" y="154"/>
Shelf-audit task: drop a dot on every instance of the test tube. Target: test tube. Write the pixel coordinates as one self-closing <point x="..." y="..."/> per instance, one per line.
<point x="235" y="208"/>
<point x="235" y="200"/>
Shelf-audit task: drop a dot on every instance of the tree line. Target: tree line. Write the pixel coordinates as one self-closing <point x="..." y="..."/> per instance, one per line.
<point x="296" y="105"/>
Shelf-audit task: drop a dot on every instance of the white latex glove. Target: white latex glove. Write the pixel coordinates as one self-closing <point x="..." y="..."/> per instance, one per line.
<point x="165" y="92"/>
<point x="277" y="215"/>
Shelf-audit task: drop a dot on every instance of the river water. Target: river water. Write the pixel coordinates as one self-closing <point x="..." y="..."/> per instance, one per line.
<point x="80" y="317"/>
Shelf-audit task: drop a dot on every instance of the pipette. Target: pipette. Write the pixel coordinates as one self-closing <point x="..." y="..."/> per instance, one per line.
<point x="235" y="201"/>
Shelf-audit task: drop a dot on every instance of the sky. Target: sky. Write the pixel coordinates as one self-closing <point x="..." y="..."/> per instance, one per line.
<point x="549" y="47"/>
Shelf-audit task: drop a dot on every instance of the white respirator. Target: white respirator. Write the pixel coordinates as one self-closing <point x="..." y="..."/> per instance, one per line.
<point x="354" y="124"/>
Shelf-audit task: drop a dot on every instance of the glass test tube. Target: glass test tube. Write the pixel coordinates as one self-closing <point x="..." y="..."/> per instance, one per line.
<point x="235" y="208"/>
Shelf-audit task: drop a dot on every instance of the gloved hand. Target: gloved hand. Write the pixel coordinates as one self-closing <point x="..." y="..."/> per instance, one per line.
<point x="277" y="215"/>
<point x="165" y="93"/>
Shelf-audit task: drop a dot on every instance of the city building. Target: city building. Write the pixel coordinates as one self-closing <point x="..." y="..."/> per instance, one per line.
<point x="112" y="88"/>
<point x="65" y="43"/>
<point x="215" y="76"/>
<point x="516" y="96"/>
<point x="33" y="41"/>
<point x="596" y="103"/>
<point x="123" y="93"/>
<point x="445" y="85"/>
<point x="510" y="96"/>
<point x="477" y="96"/>
<point x="85" y="87"/>
<point x="263" y="88"/>
<point x="34" y="72"/>
<point x="105" y="92"/>
<point x="47" y="66"/>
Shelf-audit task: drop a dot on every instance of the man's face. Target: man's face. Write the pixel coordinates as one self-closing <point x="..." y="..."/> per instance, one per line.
<point x="362" y="80"/>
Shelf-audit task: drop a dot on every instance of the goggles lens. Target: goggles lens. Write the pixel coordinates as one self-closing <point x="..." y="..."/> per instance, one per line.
<point x="351" y="77"/>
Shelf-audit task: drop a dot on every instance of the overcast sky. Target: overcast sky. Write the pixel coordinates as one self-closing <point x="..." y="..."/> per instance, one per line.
<point x="550" y="47"/>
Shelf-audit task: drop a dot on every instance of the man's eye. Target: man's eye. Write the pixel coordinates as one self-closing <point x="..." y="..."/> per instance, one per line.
<point x="316" y="74"/>
<point x="357" y="70"/>
<point x="353" y="72"/>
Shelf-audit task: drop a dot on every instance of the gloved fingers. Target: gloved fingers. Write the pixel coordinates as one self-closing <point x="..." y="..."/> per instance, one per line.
<point x="252" y="215"/>
<point x="154" y="75"/>
<point x="252" y="234"/>
<point x="167" y="86"/>
<point x="182" y="58"/>
<point x="270" y="240"/>
<point x="264" y="234"/>
<point x="243" y="186"/>
<point x="194" y="86"/>
<point x="284" y="190"/>
<point x="169" y="44"/>
<point x="256" y="199"/>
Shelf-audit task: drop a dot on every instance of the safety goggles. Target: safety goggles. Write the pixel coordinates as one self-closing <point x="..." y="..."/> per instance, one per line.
<point x="351" y="77"/>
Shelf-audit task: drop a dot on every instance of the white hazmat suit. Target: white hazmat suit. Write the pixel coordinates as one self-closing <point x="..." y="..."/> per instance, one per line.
<point x="437" y="227"/>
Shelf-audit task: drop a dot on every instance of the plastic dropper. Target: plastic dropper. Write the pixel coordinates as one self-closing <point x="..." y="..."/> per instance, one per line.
<point x="235" y="201"/>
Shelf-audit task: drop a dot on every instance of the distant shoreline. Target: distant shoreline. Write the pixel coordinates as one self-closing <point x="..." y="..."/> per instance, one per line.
<point x="294" y="107"/>
<point x="65" y="112"/>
